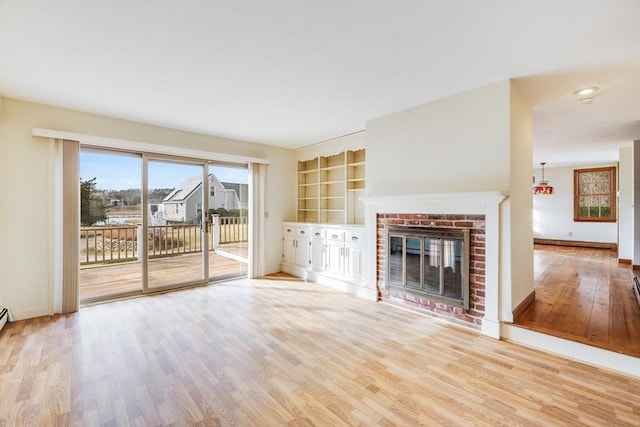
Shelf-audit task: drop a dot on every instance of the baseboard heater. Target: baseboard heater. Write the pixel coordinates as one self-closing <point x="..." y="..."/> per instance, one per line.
<point x="4" y="317"/>
<point x="636" y="288"/>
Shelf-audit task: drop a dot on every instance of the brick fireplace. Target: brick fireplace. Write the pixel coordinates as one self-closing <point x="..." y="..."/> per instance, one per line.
<point x="416" y="298"/>
<point x="477" y="212"/>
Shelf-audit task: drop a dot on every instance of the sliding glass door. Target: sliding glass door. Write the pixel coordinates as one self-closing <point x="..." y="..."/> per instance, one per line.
<point x="228" y="221"/>
<point x="176" y="239"/>
<point x="152" y="222"/>
<point x="110" y="223"/>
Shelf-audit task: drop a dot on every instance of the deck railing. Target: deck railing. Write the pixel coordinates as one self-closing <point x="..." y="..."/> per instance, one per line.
<point x="232" y="228"/>
<point x="110" y="244"/>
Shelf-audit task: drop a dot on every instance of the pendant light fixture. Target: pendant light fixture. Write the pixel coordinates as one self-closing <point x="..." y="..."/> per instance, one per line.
<point x="543" y="186"/>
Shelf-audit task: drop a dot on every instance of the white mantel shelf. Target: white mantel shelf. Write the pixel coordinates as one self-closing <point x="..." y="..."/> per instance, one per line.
<point x="438" y="198"/>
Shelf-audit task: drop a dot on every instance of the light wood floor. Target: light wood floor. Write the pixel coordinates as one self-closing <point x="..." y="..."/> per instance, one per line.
<point x="584" y="295"/>
<point x="281" y="352"/>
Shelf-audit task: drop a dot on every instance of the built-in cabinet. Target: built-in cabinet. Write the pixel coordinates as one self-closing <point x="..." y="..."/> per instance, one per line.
<point x="343" y="249"/>
<point x="329" y="188"/>
<point x="297" y="245"/>
<point x="318" y="252"/>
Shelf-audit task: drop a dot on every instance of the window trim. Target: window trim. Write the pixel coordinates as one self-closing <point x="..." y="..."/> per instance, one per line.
<point x="613" y="185"/>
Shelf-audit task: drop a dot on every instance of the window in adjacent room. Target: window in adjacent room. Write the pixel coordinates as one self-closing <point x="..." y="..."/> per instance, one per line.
<point x="594" y="197"/>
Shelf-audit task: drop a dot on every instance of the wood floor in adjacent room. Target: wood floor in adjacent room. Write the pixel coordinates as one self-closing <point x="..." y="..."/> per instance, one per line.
<point x="281" y="352"/>
<point x="584" y="295"/>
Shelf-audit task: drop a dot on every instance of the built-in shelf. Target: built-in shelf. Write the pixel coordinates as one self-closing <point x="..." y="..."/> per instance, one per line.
<point x="329" y="188"/>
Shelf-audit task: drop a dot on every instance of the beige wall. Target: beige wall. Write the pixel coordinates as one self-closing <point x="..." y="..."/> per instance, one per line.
<point x="456" y="144"/>
<point x="2" y="197"/>
<point x="353" y="141"/>
<point x="625" y="204"/>
<point x="25" y="279"/>
<point x="520" y="231"/>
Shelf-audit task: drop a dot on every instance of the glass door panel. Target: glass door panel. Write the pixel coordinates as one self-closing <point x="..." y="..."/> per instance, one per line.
<point x="413" y="262"/>
<point x="174" y="234"/>
<point x="111" y="223"/>
<point x="228" y="221"/>
<point x="431" y="261"/>
<point x="453" y="251"/>
<point x="396" y="260"/>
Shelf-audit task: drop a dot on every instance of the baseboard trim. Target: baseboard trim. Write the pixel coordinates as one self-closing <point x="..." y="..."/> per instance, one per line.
<point x="528" y="300"/>
<point x="29" y="314"/>
<point x="594" y="356"/>
<point x="577" y="243"/>
<point x="624" y="261"/>
<point x="358" y="289"/>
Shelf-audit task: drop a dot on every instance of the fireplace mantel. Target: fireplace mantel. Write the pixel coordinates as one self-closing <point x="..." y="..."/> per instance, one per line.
<point x="472" y="200"/>
<point x="487" y="203"/>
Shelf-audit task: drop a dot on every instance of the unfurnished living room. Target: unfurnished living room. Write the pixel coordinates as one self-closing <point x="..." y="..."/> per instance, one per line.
<point x="316" y="213"/>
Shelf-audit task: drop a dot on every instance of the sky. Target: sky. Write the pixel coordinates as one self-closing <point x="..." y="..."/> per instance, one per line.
<point x="123" y="171"/>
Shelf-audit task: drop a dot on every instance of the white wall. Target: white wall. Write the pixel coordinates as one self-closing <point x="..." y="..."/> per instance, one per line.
<point x="25" y="281"/>
<point x="553" y="215"/>
<point x="625" y="204"/>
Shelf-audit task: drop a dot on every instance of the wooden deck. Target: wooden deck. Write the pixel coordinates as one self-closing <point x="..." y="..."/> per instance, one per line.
<point x="112" y="279"/>
<point x="584" y="295"/>
<point x="272" y="352"/>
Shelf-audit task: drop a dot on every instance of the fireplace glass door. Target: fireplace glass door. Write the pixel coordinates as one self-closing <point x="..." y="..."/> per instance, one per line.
<point x="430" y="262"/>
<point x="412" y="263"/>
<point x="396" y="260"/>
<point x="452" y="262"/>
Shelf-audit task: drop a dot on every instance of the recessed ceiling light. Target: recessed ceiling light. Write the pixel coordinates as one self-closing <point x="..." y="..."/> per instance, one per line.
<point x="586" y="91"/>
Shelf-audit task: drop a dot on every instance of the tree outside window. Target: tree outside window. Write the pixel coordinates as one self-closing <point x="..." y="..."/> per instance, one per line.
<point x="594" y="194"/>
<point x="92" y="208"/>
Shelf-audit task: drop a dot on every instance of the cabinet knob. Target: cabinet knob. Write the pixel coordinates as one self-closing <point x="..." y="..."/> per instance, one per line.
<point x="301" y="231"/>
<point x="335" y="236"/>
<point x="317" y="234"/>
<point x="354" y="237"/>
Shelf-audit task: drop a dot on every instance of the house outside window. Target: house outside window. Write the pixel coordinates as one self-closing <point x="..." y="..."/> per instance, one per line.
<point x="594" y="194"/>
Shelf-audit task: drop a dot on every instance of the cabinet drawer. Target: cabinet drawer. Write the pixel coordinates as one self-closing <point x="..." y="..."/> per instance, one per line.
<point x="303" y="232"/>
<point x="336" y="235"/>
<point x="353" y="237"/>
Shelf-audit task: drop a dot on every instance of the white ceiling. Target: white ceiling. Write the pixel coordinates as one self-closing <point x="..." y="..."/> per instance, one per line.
<point x="293" y="73"/>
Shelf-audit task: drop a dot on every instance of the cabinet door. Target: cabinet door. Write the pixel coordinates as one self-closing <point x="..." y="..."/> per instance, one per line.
<point x="353" y="263"/>
<point x="303" y="252"/>
<point x="289" y="249"/>
<point x="317" y="254"/>
<point x="334" y="257"/>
